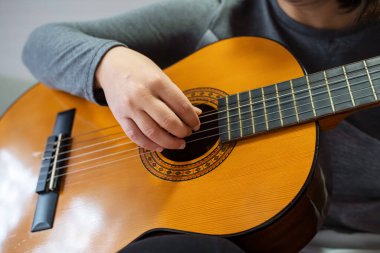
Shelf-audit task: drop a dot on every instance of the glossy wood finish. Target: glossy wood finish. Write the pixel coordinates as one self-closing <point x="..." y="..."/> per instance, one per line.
<point x="104" y="209"/>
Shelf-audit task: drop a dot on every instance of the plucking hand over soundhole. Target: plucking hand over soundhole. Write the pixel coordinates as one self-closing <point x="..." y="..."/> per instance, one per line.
<point x="203" y="152"/>
<point x="199" y="142"/>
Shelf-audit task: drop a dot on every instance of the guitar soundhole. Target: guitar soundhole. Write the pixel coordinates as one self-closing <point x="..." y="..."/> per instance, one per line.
<point x="203" y="152"/>
<point x="200" y="141"/>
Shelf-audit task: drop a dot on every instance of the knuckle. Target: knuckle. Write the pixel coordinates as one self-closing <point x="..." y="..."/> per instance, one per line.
<point x="128" y="105"/>
<point x="156" y="80"/>
<point x="118" y="113"/>
<point x="185" y="108"/>
<point x="132" y="134"/>
<point x="151" y="132"/>
<point x="147" y="145"/>
<point x="135" y="136"/>
<point x="143" y="144"/>
<point x="134" y="99"/>
<point x="127" y="101"/>
<point x="182" y="133"/>
<point x="138" y="92"/>
<point x="168" y="122"/>
<point x="119" y="110"/>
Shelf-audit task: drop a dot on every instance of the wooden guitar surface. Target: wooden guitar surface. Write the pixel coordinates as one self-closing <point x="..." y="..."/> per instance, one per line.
<point x="252" y="184"/>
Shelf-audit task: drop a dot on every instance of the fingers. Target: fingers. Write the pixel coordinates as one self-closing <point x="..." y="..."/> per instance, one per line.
<point x="152" y="110"/>
<point x="135" y="135"/>
<point x="197" y="110"/>
<point x="178" y="102"/>
<point x="167" y="119"/>
<point x="148" y="134"/>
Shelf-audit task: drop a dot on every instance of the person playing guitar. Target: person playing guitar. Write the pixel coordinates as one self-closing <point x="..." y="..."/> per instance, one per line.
<point x="118" y="62"/>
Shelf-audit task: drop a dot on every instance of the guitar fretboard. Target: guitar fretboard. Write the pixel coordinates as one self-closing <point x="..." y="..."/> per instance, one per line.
<point x="299" y="100"/>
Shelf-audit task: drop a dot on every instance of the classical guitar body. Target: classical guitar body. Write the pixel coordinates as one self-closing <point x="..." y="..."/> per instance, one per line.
<point x="264" y="193"/>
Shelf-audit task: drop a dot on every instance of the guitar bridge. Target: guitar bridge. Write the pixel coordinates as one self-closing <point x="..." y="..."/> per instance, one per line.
<point x="52" y="169"/>
<point x="48" y="178"/>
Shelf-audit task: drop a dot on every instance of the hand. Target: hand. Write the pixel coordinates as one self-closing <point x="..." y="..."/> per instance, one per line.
<point x="150" y="108"/>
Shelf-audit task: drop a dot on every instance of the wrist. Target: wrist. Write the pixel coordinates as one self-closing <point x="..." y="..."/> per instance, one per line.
<point x="104" y="70"/>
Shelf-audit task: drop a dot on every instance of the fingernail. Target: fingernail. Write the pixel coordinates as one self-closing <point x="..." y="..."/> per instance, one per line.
<point x="198" y="111"/>
<point x="197" y="128"/>
<point x="183" y="146"/>
<point x="159" y="149"/>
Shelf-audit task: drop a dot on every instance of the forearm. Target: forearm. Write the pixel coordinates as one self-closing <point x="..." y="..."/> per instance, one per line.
<point x="66" y="56"/>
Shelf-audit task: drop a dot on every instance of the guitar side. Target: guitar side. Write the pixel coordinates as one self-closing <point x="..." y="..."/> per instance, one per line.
<point x="267" y="189"/>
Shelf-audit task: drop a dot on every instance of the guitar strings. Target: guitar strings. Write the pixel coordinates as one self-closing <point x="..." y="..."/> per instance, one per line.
<point x="272" y="93"/>
<point x="129" y="150"/>
<point x="241" y="106"/>
<point x="94" y="151"/>
<point x="92" y="139"/>
<point x="137" y="155"/>
<point x="67" y="144"/>
<point x="204" y="130"/>
<point x="217" y="127"/>
<point x="90" y="132"/>
<point x="90" y="146"/>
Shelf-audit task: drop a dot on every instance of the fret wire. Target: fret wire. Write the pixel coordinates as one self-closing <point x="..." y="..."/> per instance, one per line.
<point x="294" y="101"/>
<point x="252" y="116"/>
<point x="332" y="89"/>
<point x="348" y="85"/>
<point x="286" y="102"/>
<point x="265" y="109"/>
<point x="316" y="101"/>
<point x="319" y="91"/>
<point x="325" y="106"/>
<point x="305" y="112"/>
<point x="228" y="119"/>
<point x="316" y="73"/>
<point x="239" y="114"/>
<point x="328" y="90"/>
<point x="370" y="80"/>
<point x="339" y="82"/>
<point x="297" y="113"/>
<point x="293" y="92"/>
<point x="311" y="96"/>
<point x="279" y="106"/>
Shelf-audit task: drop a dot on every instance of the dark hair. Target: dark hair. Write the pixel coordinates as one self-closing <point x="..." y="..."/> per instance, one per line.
<point x="371" y="11"/>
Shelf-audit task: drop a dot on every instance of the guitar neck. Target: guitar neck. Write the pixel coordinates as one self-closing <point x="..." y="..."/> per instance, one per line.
<point x="308" y="98"/>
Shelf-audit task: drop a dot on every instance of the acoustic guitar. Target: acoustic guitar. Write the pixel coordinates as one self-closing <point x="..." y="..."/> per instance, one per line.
<point x="71" y="181"/>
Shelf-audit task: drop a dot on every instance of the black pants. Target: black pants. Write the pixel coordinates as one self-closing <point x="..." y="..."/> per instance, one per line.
<point x="183" y="244"/>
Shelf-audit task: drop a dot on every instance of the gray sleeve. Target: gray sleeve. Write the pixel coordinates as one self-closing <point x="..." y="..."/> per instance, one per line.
<point x="65" y="55"/>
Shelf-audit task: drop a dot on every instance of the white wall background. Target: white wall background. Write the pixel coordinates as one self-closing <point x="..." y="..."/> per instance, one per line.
<point x="19" y="17"/>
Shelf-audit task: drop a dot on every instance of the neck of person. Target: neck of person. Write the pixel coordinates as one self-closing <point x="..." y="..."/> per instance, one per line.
<point x="321" y="14"/>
